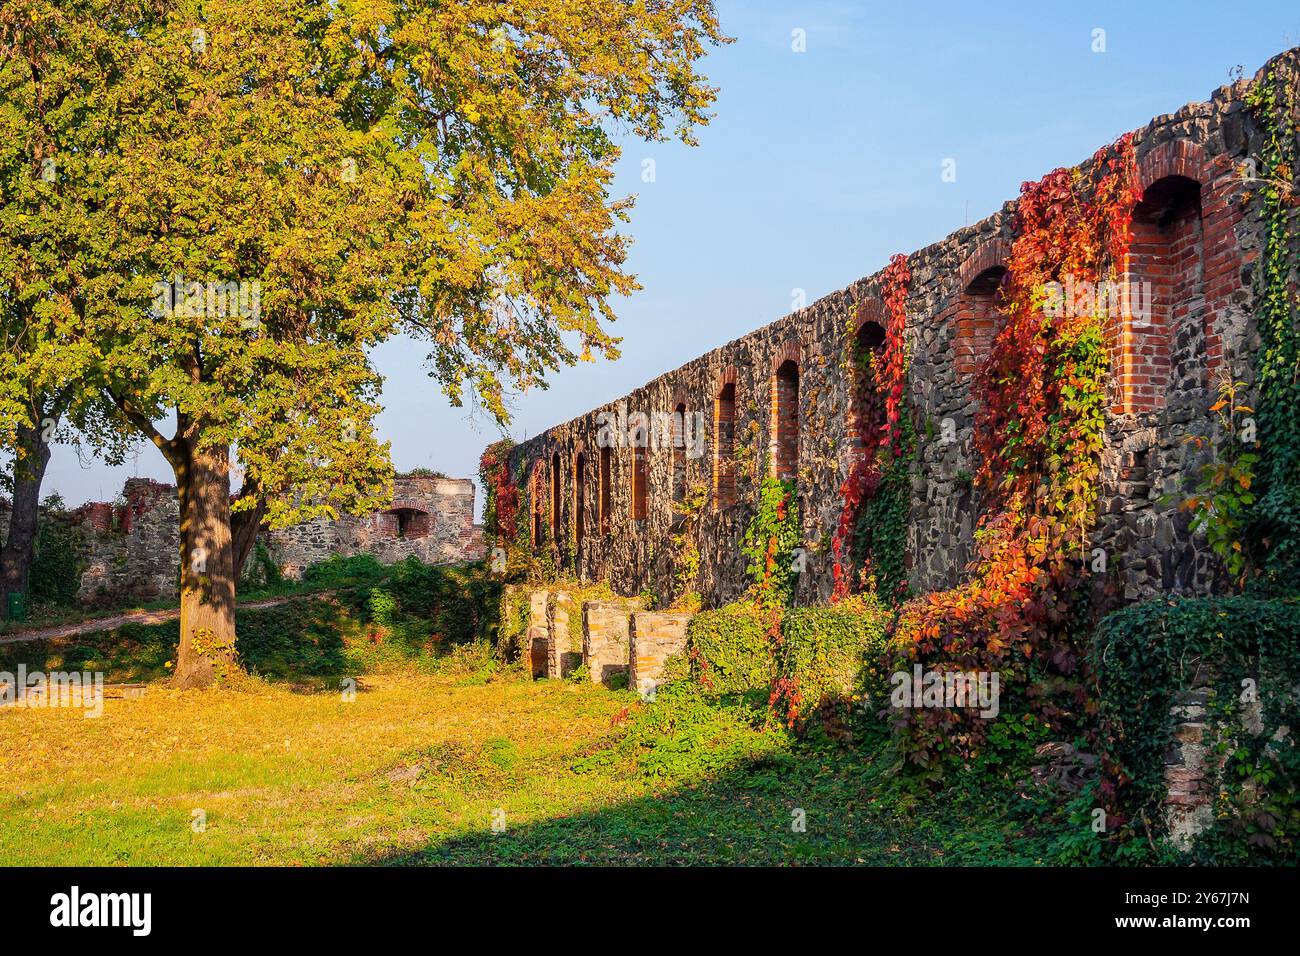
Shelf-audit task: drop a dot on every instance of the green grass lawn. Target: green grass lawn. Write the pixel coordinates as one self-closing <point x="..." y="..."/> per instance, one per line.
<point x="421" y="765"/>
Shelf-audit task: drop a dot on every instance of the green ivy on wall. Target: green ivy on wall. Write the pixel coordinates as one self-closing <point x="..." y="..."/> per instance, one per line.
<point x="879" y="545"/>
<point x="1273" y="100"/>
<point x="1147" y="655"/>
<point x="57" y="561"/>
<point x="770" y="541"/>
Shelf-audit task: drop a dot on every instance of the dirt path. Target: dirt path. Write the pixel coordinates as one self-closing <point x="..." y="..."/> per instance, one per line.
<point x="97" y="624"/>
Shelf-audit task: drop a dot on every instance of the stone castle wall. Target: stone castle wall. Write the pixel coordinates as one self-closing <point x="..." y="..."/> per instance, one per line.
<point x="1195" y="239"/>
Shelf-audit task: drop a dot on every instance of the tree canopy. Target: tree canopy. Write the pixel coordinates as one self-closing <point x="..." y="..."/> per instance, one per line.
<point x="215" y="209"/>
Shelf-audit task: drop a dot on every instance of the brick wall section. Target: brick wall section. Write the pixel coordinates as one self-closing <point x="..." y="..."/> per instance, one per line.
<point x="1150" y="549"/>
<point x="639" y="486"/>
<point x="606" y="630"/>
<point x="654" y="637"/>
<point x="785" y="411"/>
<point x="976" y="318"/>
<point x="1188" y="803"/>
<point x="724" y="439"/>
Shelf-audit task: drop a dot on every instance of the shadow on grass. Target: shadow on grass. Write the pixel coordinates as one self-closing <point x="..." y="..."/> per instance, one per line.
<point x="814" y="808"/>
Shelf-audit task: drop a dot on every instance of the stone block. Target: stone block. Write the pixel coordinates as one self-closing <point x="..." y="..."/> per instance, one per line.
<point x="655" y="636"/>
<point x="537" y="638"/>
<point x="606" y="637"/>
<point x="564" y="643"/>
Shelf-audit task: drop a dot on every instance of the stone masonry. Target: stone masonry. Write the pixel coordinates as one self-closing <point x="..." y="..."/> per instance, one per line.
<point x="655" y="636"/>
<point x="779" y="398"/>
<point x="606" y="641"/>
<point x="133" y="545"/>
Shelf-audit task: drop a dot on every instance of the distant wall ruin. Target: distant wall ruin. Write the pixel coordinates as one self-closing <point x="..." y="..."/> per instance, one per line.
<point x="132" y="546"/>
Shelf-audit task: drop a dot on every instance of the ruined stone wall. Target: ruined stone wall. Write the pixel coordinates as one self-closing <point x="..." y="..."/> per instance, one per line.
<point x="1196" y="237"/>
<point x="132" y="547"/>
<point x="430" y="518"/>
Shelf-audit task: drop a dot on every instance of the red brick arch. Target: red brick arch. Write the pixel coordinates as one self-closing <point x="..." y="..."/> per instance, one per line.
<point x="1180" y="157"/>
<point x="989" y="254"/>
<point x="785" y="402"/>
<point x="976" y="311"/>
<point x="791" y="350"/>
<point x="580" y="481"/>
<point x="724" y="436"/>
<point x="536" y="489"/>
<point x="1184" y="263"/>
<point x="869" y="310"/>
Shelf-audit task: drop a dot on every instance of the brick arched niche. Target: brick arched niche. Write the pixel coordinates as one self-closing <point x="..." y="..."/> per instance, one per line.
<point x="640" y="484"/>
<point x="537" y="519"/>
<point x="557" y="499"/>
<point x="579" y="496"/>
<point x="978" y="310"/>
<point x="407" y="518"/>
<point x="1182" y="267"/>
<point x="868" y="343"/>
<point x="784" y="447"/>
<point x="604" y="497"/>
<point x="724" y="438"/>
<point x="678" y="434"/>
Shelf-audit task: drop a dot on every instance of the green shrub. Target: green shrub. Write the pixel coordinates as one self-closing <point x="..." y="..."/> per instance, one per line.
<point x="261" y="573"/>
<point x="382" y="606"/>
<point x="1146" y="655"/>
<point x="461" y="602"/>
<point x="824" y="650"/>
<point x="512" y="624"/>
<point x="338" y="570"/>
<point x="730" y="652"/>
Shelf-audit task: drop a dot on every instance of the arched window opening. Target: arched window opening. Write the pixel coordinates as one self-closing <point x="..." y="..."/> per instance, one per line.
<point x="557" y="498"/>
<point x="1162" y="293"/>
<point x="405" y="523"/>
<point x="679" y="452"/>
<point x="535" y="491"/>
<point x="868" y="403"/>
<point x="603" y="492"/>
<point x="639" y="509"/>
<point x="785" y="421"/>
<point x="579" y="497"/>
<point x="724" y="438"/>
<point x="978" y="316"/>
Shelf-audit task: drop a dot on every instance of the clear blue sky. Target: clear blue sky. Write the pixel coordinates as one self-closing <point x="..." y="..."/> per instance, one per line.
<point x="819" y="165"/>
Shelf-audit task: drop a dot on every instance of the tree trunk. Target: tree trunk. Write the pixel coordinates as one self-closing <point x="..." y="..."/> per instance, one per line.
<point x="207" y="648"/>
<point x="30" y="459"/>
<point x="244" y="526"/>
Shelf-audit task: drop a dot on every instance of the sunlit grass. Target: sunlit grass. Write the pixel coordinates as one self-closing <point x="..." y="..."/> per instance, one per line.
<point x="419" y="766"/>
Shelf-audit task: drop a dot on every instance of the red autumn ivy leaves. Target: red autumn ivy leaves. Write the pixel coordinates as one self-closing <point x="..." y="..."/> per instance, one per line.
<point x="878" y="385"/>
<point x="1038" y="434"/>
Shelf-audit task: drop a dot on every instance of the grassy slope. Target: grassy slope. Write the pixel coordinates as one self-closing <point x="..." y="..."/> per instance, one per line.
<point x="413" y="770"/>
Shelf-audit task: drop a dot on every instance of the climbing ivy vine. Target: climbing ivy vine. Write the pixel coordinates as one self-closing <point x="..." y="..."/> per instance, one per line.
<point x="1038" y="436"/>
<point x="875" y="492"/>
<point x="1273" y="100"/>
